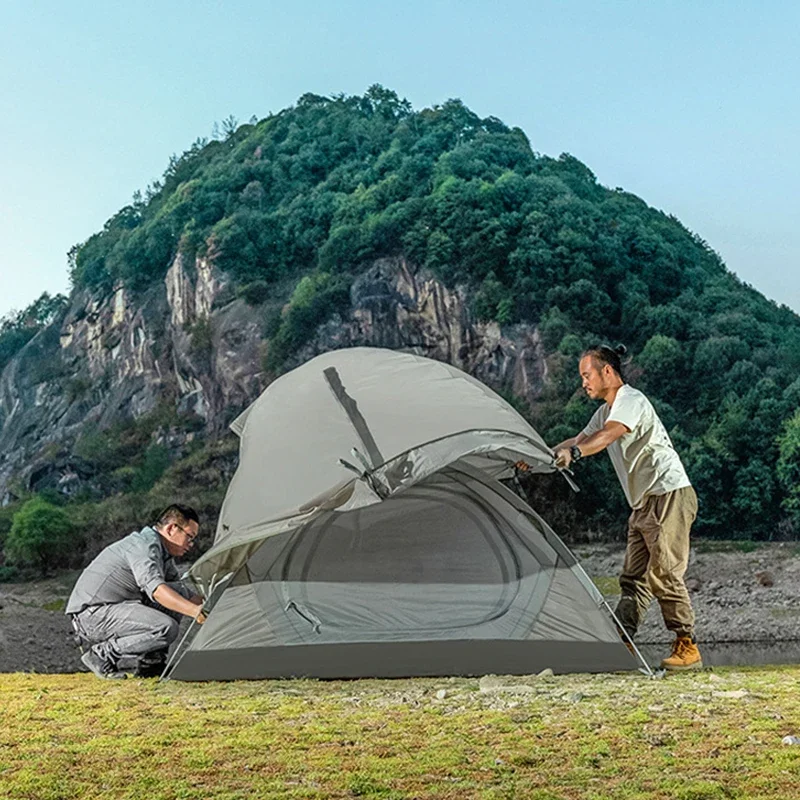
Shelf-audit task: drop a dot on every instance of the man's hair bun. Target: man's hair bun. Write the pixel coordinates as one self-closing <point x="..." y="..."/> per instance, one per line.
<point x="604" y="354"/>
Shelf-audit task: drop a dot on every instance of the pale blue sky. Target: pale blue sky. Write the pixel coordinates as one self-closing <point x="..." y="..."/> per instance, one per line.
<point x="692" y="106"/>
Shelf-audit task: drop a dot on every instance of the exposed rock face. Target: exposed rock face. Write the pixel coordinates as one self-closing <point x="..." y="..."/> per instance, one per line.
<point x="396" y="307"/>
<point x="188" y="343"/>
<point x="118" y="357"/>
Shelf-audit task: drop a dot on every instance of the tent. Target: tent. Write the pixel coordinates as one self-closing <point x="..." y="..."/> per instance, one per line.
<point x="367" y="533"/>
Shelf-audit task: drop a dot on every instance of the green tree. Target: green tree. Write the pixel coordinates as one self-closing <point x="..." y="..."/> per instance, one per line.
<point x="664" y="363"/>
<point x="315" y="299"/>
<point x="18" y="328"/>
<point x="493" y="301"/>
<point x="42" y="536"/>
<point x="788" y="468"/>
<point x="156" y="460"/>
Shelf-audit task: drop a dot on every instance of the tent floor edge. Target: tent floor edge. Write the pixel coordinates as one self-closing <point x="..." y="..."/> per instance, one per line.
<point x="404" y="659"/>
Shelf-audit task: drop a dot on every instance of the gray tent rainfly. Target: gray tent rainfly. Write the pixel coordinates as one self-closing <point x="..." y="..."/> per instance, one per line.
<point x="366" y="533"/>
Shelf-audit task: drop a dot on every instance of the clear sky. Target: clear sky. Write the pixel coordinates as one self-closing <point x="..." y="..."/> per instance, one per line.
<point x="692" y="106"/>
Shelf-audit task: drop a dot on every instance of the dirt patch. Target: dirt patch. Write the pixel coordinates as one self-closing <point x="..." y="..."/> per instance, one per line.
<point x="35" y="634"/>
<point x="737" y="596"/>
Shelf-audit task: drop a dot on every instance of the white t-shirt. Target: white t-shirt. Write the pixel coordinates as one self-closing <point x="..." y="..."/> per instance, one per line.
<point x="645" y="461"/>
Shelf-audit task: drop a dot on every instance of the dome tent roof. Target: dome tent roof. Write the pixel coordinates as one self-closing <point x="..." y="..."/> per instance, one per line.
<point x="354" y="426"/>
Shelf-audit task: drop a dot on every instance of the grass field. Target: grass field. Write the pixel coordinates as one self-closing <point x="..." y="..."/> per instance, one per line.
<point x="696" y="736"/>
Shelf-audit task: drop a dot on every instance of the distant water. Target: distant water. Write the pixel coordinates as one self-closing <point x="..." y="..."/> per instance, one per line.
<point x="732" y="654"/>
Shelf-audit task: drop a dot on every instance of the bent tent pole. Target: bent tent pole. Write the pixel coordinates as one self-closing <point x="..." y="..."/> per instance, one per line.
<point x="373" y="457"/>
<point x="217" y="587"/>
<point x="646" y="669"/>
<point x="350" y="408"/>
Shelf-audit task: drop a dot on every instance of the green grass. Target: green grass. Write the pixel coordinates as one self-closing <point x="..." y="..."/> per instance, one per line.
<point x="607" y="585"/>
<point x="697" y="736"/>
<point x="784" y="613"/>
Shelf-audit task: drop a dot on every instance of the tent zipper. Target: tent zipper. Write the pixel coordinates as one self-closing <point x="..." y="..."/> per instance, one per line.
<point x="315" y="622"/>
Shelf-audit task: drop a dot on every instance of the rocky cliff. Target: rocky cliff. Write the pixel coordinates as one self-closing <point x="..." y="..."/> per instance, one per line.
<point x="189" y="344"/>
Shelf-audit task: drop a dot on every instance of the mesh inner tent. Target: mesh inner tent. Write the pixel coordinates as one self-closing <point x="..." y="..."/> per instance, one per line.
<point x="443" y="556"/>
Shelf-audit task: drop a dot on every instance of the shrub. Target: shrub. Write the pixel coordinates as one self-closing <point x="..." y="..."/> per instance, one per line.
<point x="202" y="338"/>
<point x="156" y="460"/>
<point x="272" y="321"/>
<point x="255" y="293"/>
<point x="6" y="519"/>
<point x="316" y="298"/>
<point x="493" y="301"/>
<point x="42" y="535"/>
<point x="77" y="388"/>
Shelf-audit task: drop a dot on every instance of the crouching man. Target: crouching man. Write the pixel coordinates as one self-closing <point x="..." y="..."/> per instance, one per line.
<point x="127" y="602"/>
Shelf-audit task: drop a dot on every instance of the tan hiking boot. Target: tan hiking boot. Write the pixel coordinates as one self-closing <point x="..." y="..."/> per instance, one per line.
<point x="685" y="655"/>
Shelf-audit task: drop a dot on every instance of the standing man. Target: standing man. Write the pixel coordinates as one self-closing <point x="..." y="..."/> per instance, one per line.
<point x="659" y="492"/>
<point x="128" y="601"/>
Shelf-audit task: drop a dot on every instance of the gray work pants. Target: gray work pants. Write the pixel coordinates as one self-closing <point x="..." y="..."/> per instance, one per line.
<point x="128" y="628"/>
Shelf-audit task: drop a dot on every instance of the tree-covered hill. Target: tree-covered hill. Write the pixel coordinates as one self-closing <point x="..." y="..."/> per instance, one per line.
<point x="320" y="190"/>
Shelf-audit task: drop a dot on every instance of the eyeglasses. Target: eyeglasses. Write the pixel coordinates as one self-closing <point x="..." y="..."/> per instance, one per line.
<point x="190" y="536"/>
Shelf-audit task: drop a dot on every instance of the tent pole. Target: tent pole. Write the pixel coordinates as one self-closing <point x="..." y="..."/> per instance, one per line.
<point x="177" y="653"/>
<point x="646" y="668"/>
<point x="626" y="637"/>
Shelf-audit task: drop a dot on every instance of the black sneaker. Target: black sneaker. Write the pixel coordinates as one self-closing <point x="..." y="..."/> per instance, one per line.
<point x="151" y="664"/>
<point x="101" y="668"/>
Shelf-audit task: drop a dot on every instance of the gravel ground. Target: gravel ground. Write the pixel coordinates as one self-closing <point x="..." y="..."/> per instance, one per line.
<point x="35" y="635"/>
<point x="737" y="597"/>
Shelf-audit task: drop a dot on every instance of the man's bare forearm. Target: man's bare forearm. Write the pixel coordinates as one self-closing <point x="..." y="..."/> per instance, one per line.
<point x="597" y="442"/>
<point x="589" y="445"/>
<point x="567" y="443"/>
<point x="174" y="601"/>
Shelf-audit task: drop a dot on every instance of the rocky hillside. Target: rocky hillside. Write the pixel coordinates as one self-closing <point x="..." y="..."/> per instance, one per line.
<point x="188" y="343"/>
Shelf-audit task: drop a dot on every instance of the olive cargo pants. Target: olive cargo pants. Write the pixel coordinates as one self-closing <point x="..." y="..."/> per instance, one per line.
<point x="656" y="558"/>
